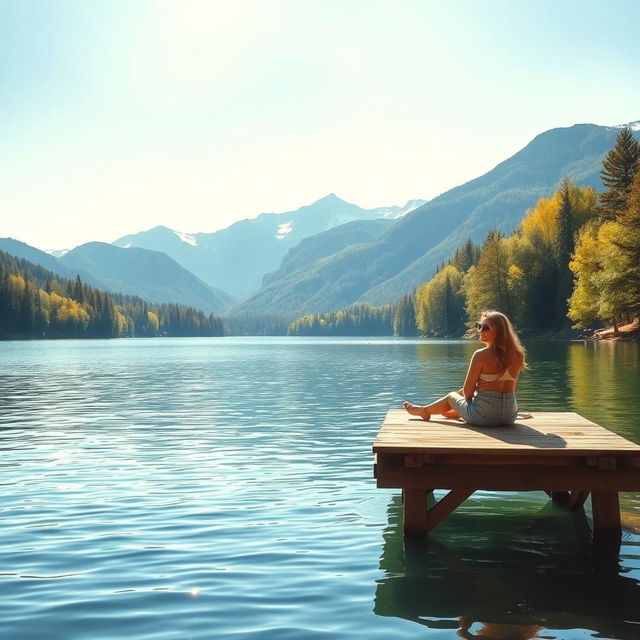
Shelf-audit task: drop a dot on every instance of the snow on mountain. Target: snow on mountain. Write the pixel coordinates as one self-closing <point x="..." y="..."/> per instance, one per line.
<point x="187" y="237"/>
<point x="394" y="212"/>
<point x="284" y="229"/>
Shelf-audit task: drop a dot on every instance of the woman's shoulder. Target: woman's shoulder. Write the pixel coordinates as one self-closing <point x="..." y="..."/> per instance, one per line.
<point x="480" y="355"/>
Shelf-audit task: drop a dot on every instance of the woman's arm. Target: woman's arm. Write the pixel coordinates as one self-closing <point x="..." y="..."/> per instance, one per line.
<point x="473" y="373"/>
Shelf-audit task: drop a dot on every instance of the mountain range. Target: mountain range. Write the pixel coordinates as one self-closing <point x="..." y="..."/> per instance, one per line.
<point x="236" y="259"/>
<point x="246" y="248"/>
<point x="331" y="253"/>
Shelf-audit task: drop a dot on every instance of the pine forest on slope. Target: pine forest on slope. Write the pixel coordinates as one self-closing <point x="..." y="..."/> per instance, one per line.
<point x="35" y="303"/>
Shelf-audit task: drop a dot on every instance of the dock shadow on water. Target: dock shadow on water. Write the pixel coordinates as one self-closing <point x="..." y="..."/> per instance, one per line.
<point x="517" y="573"/>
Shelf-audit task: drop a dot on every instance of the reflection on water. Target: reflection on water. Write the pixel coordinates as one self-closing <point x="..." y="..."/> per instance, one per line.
<point x="517" y="566"/>
<point x="222" y="488"/>
<point x="605" y="380"/>
<point x="528" y="577"/>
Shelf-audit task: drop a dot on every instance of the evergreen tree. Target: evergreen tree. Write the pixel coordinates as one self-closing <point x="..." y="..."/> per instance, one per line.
<point x="78" y="292"/>
<point x="564" y="250"/>
<point x="618" y="169"/>
<point x="404" y="318"/>
<point x="486" y="285"/>
<point x="628" y="242"/>
<point x="466" y="256"/>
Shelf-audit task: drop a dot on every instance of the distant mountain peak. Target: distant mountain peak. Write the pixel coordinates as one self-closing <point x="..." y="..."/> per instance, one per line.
<point x="330" y="198"/>
<point x="159" y="228"/>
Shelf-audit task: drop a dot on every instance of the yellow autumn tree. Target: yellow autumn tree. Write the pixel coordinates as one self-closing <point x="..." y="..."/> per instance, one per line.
<point x="583" y="304"/>
<point x="602" y="271"/>
<point x="153" y="322"/>
<point x="606" y="267"/>
<point x="440" y="303"/>
<point x="540" y="224"/>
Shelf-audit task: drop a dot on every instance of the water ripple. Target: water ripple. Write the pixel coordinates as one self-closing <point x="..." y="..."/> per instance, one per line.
<point x="223" y="488"/>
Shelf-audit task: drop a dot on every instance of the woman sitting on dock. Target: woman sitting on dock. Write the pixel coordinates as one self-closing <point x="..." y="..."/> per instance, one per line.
<point x="487" y="397"/>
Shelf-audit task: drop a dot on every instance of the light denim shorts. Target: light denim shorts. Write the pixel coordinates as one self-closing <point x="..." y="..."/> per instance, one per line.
<point x="488" y="408"/>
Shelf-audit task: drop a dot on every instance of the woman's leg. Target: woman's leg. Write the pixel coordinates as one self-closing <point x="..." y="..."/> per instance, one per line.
<point x="442" y="406"/>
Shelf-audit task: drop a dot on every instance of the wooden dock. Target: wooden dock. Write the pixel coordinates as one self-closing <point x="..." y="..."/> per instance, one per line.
<point x="563" y="454"/>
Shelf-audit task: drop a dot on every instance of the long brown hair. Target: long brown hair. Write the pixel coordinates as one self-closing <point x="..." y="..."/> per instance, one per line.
<point x="506" y="344"/>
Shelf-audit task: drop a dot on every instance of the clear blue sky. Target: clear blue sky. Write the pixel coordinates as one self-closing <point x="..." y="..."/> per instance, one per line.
<point x="117" y="115"/>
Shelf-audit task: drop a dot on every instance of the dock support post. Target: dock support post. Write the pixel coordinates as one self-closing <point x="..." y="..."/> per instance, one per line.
<point x="414" y="510"/>
<point x="607" y="530"/>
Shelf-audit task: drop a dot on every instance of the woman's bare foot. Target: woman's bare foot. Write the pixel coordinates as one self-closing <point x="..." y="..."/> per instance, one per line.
<point x="415" y="410"/>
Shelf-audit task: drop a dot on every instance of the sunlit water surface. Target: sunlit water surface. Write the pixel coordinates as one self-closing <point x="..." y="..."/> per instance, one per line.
<point x="222" y="488"/>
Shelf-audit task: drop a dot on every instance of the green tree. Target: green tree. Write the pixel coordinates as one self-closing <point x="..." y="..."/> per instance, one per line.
<point x="404" y="317"/>
<point x="564" y="246"/>
<point x="466" y="256"/>
<point x="627" y="240"/>
<point x="618" y="168"/>
<point x="487" y="285"/>
<point x="78" y="291"/>
<point x="440" y="304"/>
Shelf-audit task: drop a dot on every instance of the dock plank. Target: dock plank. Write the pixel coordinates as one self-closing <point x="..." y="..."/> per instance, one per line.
<point x="549" y="433"/>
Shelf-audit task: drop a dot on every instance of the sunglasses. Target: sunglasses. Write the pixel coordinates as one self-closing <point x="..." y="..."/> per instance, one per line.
<point x="482" y="327"/>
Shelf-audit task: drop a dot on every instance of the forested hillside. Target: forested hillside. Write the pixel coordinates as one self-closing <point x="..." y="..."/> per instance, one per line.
<point x="35" y="303"/>
<point x="574" y="260"/>
<point x="409" y="253"/>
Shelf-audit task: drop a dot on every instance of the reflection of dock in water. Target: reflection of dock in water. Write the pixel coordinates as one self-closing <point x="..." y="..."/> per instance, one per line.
<point x="511" y="574"/>
<point x="563" y="454"/>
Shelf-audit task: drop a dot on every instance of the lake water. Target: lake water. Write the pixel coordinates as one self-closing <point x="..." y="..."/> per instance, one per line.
<point x="222" y="488"/>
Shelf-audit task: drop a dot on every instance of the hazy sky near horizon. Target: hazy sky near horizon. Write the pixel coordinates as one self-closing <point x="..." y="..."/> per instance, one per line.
<point x="120" y="115"/>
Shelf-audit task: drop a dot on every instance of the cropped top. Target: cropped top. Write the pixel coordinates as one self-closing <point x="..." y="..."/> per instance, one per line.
<point x="496" y="377"/>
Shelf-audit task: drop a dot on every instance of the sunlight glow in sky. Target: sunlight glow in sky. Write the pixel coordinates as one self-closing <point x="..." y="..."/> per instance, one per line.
<point x="120" y="115"/>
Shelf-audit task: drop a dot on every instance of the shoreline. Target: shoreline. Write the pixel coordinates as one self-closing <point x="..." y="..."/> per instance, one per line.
<point x="626" y="333"/>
